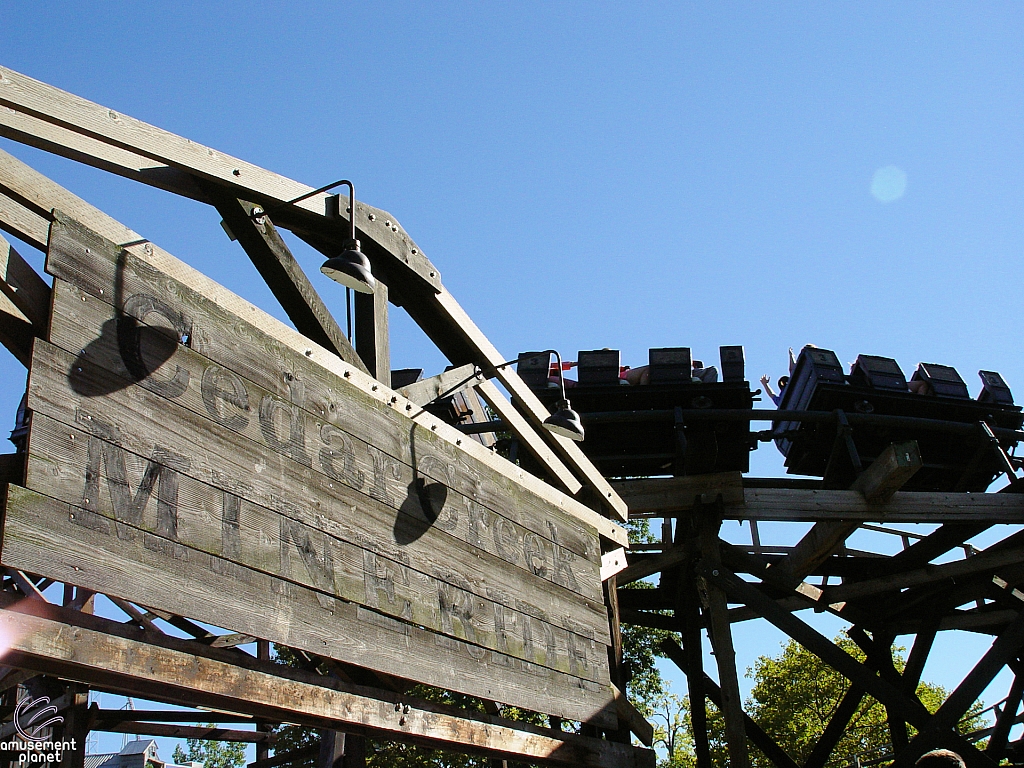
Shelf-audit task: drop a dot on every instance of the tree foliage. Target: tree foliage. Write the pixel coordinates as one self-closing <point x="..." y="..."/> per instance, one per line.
<point x="793" y="698"/>
<point x="212" y="754"/>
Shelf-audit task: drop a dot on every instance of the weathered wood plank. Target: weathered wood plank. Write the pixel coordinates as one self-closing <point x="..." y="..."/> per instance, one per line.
<point x="717" y="610"/>
<point x="428" y="591"/>
<point x="179" y="677"/>
<point x="26" y="129"/>
<point x="654" y="564"/>
<point x="188" y="732"/>
<point x="529" y="438"/>
<point x="661" y="496"/>
<point x="65" y="110"/>
<point x="889" y="472"/>
<point x="26" y="289"/>
<point x="928" y="574"/>
<point x="44" y="536"/>
<point x="446" y="383"/>
<point x="16" y="331"/>
<point x="23" y="223"/>
<point x="389" y="519"/>
<point x="329" y="457"/>
<point x="309" y="363"/>
<point x="802" y="505"/>
<point x="373" y="340"/>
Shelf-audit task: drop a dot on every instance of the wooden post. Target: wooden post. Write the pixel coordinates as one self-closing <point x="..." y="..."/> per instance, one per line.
<point x="721" y="640"/>
<point x="692" y="665"/>
<point x="282" y="273"/>
<point x="262" y="748"/>
<point x="371" y="329"/>
<point x="76" y="725"/>
<point x="341" y="750"/>
<point x="997" y="741"/>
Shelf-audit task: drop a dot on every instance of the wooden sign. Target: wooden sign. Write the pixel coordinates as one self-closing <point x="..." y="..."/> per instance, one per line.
<point x="182" y="457"/>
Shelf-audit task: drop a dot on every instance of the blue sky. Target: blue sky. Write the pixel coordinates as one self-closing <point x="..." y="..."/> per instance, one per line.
<point x="592" y="175"/>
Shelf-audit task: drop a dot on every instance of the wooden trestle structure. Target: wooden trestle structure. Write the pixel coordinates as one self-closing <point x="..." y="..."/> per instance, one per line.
<point x="264" y="515"/>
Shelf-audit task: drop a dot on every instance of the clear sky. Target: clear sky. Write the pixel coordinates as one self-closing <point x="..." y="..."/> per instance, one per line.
<point x="592" y="175"/>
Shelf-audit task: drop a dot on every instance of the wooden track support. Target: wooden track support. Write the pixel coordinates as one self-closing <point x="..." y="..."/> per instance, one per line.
<point x="167" y="672"/>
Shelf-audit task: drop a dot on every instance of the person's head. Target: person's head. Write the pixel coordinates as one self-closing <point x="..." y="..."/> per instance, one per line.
<point x="783" y="381"/>
<point x="941" y="758"/>
<point x="698" y="364"/>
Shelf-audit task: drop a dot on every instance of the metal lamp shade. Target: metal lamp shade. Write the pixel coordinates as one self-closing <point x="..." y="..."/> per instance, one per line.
<point x="352" y="269"/>
<point x="565" y="422"/>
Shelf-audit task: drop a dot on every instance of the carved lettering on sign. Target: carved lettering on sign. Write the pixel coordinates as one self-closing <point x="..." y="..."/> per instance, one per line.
<point x="319" y="565"/>
<point x="272" y="411"/>
<point x="379" y="578"/>
<point x="161" y="473"/>
<point x="385" y="467"/>
<point x="216" y="397"/>
<point x="160" y="344"/>
<point x="338" y="458"/>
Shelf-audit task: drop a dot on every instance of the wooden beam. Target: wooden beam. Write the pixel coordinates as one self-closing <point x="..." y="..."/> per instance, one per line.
<point x="651" y="564"/>
<point x="114" y="716"/>
<point x="731" y="703"/>
<point x="177" y="677"/>
<point x="636" y="722"/>
<point x="1006" y="719"/>
<point x="442" y="385"/>
<point x="904" y="704"/>
<point x="23" y="223"/>
<point x="529" y="438"/>
<point x="761" y="740"/>
<point x="528" y="403"/>
<point x="893" y="467"/>
<point x="889" y="472"/>
<point x="187" y="732"/>
<point x="835" y="729"/>
<point x="371" y="329"/>
<point x="689" y="659"/>
<point x="284" y="758"/>
<point x="661" y="496"/>
<point x="801" y="505"/>
<point x="930" y="574"/>
<point x="24" y="287"/>
<point x="282" y="274"/>
<point x="79" y="116"/>
<point x="748" y="594"/>
<point x="16" y="331"/>
<point x="29" y="130"/>
<point x="1005" y="648"/>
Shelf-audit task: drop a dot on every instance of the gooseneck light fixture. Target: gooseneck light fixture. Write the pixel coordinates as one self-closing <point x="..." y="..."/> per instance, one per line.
<point x="564" y="421"/>
<point x="351" y="268"/>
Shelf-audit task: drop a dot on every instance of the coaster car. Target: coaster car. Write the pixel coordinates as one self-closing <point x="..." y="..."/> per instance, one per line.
<point x="963" y="442"/>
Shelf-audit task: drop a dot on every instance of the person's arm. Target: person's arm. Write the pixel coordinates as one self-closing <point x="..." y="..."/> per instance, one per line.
<point x="792" y="361"/>
<point x="768" y="389"/>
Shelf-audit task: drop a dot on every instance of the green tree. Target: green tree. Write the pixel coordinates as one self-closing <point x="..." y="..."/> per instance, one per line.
<point x="795" y="694"/>
<point x="212" y="754"/>
<point x="793" y="698"/>
<point x="670" y="715"/>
